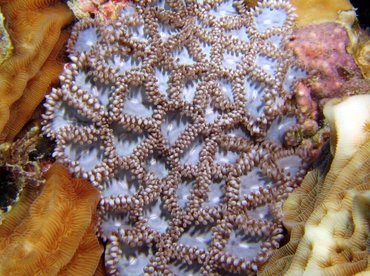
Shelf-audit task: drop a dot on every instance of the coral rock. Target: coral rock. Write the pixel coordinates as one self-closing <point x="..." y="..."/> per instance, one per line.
<point x="328" y="216"/>
<point x="322" y="49"/>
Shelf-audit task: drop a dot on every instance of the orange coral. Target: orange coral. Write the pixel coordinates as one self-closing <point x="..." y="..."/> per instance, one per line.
<point x="35" y="29"/>
<point x="18" y="213"/>
<point x="86" y="258"/>
<point x="100" y="270"/>
<point x="56" y="235"/>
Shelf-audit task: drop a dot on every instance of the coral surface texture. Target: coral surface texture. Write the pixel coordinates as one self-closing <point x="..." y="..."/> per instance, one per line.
<point x="35" y="29"/>
<point x="52" y="232"/>
<point x="182" y="113"/>
<point x="328" y="217"/>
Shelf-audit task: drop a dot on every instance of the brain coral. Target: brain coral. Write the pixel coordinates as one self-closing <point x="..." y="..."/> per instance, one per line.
<point x="328" y="216"/>
<point x="182" y="113"/>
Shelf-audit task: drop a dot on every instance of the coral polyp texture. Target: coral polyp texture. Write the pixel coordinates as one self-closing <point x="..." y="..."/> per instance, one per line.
<point x="182" y="113"/>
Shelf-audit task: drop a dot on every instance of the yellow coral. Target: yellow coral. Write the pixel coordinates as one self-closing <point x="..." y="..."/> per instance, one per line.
<point x="327" y="217"/>
<point x="35" y="28"/>
<point x="347" y="120"/>
<point x="316" y="11"/>
<point x="57" y="234"/>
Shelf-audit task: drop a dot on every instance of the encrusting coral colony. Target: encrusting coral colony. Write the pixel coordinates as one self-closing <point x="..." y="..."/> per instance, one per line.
<point x="196" y="121"/>
<point x="182" y="115"/>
